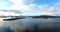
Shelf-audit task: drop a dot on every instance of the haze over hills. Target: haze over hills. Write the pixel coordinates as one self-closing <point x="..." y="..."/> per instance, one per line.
<point x="16" y="13"/>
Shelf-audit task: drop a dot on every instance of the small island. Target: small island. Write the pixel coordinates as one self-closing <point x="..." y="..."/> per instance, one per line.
<point x="9" y="18"/>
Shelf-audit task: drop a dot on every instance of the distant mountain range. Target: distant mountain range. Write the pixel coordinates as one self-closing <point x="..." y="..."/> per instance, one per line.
<point x="45" y="16"/>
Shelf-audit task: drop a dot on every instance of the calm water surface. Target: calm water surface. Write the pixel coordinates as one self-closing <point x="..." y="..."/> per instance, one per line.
<point x="31" y="22"/>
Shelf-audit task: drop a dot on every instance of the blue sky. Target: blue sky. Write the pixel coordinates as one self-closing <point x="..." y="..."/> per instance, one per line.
<point x="45" y="1"/>
<point x="32" y="7"/>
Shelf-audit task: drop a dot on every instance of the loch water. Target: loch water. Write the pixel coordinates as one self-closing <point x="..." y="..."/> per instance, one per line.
<point x="29" y="23"/>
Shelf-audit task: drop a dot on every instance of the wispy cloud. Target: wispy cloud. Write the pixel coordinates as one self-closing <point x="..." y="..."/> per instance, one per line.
<point x="2" y="13"/>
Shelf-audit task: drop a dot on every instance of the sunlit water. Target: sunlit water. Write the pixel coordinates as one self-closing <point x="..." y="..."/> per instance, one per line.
<point x="23" y="24"/>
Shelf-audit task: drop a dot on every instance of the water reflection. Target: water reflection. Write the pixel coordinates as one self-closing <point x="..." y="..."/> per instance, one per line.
<point x="29" y="24"/>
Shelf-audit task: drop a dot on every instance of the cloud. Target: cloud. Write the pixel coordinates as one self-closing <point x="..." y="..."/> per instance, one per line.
<point x="20" y="4"/>
<point x="43" y="8"/>
<point x="28" y="6"/>
<point x="2" y="13"/>
<point x="46" y="9"/>
<point x="17" y="1"/>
